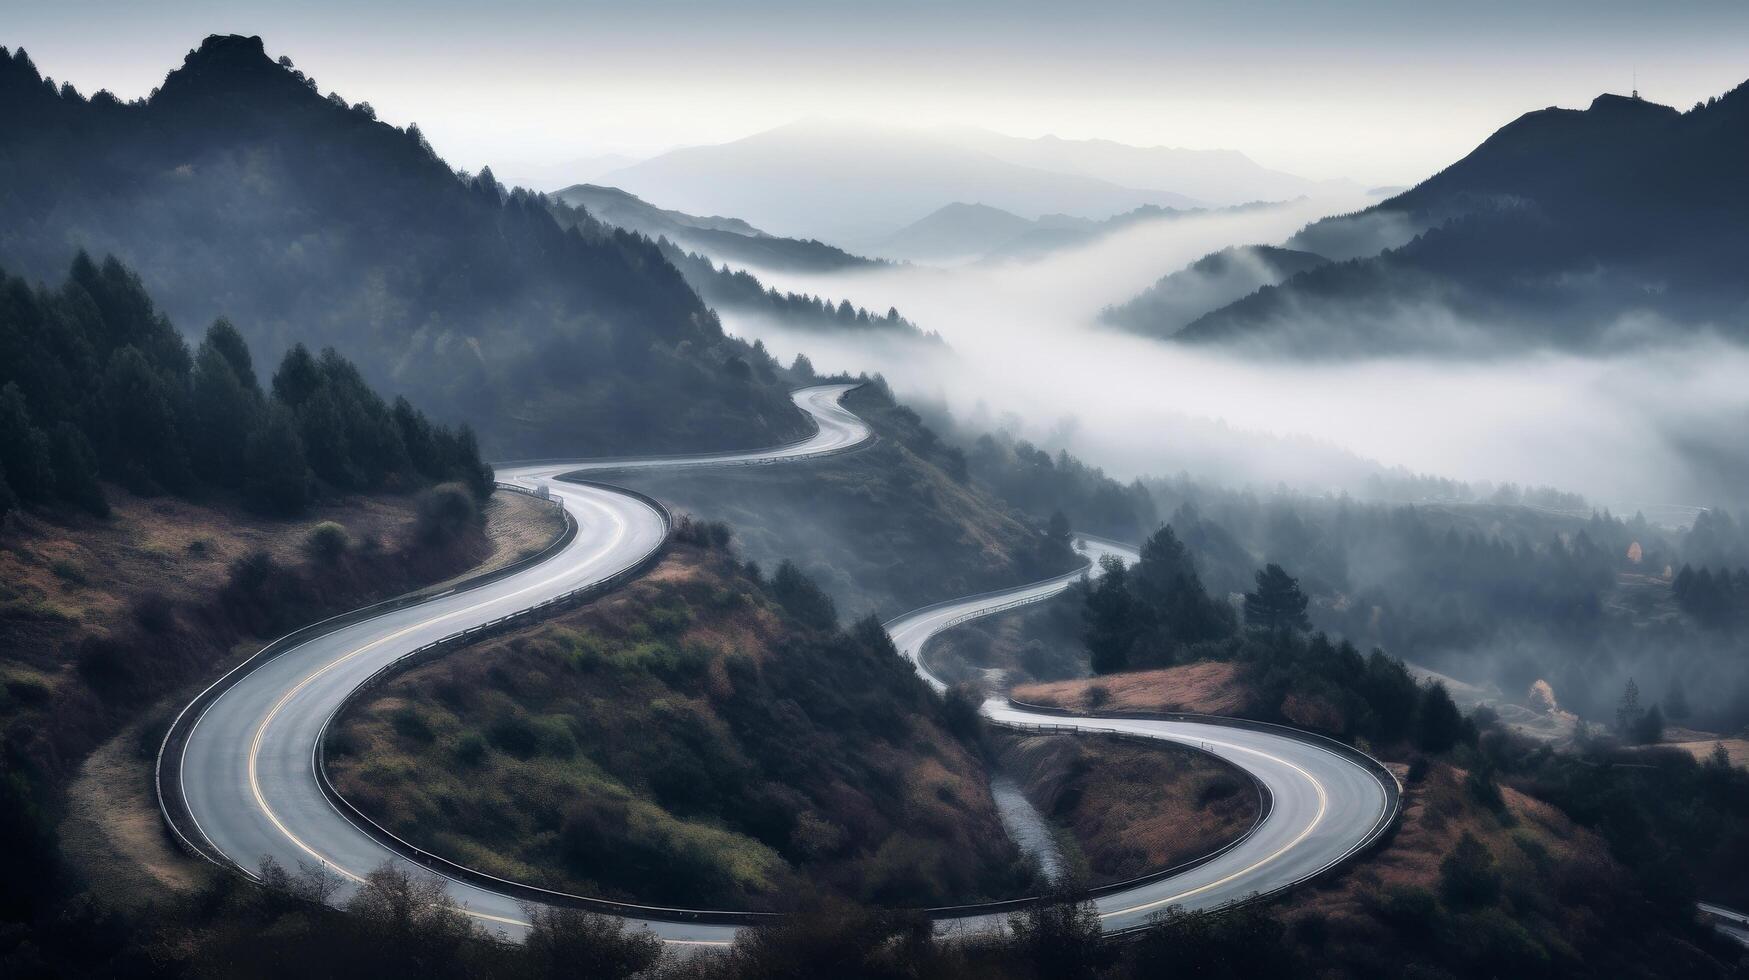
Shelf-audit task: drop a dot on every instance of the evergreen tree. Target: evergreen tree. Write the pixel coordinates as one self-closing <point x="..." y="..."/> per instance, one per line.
<point x="225" y="409"/>
<point x="1110" y="618"/>
<point x="1627" y="711"/>
<point x="803" y="597"/>
<point x="145" y="445"/>
<point x="1439" y="724"/>
<point x="1278" y="602"/>
<point x="76" y="470"/>
<point x="24" y="450"/>
<point x="224" y="338"/>
<point x="277" y="480"/>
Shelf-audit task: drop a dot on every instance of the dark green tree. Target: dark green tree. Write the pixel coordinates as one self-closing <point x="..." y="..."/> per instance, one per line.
<point x="1277" y="603"/>
<point x="1467" y="878"/>
<point x="1111" y="619"/>
<point x="803" y="597"/>
<point x="76" y="470"/>
<point x="277" y="480"/>
<point x="1439" y="724"/>
<point x="25" y="452"/>
<point x="225" y="407"/>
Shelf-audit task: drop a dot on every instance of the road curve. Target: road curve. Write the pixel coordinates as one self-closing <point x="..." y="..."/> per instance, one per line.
<point x="246" y="775"/>
<point x="1327" y="801"/>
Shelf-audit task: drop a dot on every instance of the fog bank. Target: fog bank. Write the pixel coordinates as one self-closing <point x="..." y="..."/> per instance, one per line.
<point x="1644" y="428"/>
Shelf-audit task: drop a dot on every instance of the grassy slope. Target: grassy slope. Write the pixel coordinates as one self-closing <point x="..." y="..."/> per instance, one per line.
<point x="684" y="740"/>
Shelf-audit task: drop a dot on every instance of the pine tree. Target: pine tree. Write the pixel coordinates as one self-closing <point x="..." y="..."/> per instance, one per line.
<point x="277" y="480"/>
<point x="76" y="470"/>
<point x="1111" y="618"/>
<point x="1278" y="602"/>
<point x="24" y="450"/>
<point x="1627" y="712"/>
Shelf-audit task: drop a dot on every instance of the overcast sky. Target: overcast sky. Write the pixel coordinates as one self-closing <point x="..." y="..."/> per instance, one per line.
<point x="1382" y="92"/>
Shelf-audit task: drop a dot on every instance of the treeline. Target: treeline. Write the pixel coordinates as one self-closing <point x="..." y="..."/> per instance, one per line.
<point x="1158" y="614"/>
<point x="1717" y="600"/>
<point x="96" y="384"/>
<point x="741" y="290"/>
<point x="1037" y="482"/>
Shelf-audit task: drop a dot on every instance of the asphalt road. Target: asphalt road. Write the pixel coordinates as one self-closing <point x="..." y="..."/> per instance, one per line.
<point x="1325" y="804"/>
<point x="248" y="773"/>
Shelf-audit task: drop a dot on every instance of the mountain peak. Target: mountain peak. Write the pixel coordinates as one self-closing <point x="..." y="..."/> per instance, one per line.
<point x="1623" y="105"/>
<point x="230" y="65"/>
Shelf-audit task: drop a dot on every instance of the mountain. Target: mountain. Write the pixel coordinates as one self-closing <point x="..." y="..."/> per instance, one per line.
<point x="236" y="189"/>
<point x="725" y="239"/>
<point x="956" y="231"/>
<point x="855" y="184"/>
<point x="1215" y="176"/>
<point x="960" y="232"/>
<point x="1209" y="283"/>
<point x="1577" y="229"/>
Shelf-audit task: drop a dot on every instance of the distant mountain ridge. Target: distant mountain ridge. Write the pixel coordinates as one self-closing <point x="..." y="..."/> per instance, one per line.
<point x="851" y="185"/>
<point x="1209" y="283"/>
<point x="725" y="239"/>
<point x="1216" y="177"/>
<point x="965" y="232"/>
<point x="1567" y="228"/>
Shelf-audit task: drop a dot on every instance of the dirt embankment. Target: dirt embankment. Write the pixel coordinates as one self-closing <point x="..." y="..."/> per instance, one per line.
<point x="1131" y="807"/>
<point x="1211" y="687"/>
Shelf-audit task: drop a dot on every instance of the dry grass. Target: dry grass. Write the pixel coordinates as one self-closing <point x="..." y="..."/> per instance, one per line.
<point x="114" y="835"/>
<point x="1132" y="807"/>
<point x="70" y="575"/>
<point x="1210" y="687"/>
<point x="1702" y="749"/>
<point x="517" y="525"/>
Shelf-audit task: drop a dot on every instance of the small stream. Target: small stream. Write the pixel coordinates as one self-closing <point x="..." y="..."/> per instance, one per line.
<point x="1026" y="826"/>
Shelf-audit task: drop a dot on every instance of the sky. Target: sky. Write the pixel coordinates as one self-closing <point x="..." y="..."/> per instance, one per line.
<point x="1379" y="92"/>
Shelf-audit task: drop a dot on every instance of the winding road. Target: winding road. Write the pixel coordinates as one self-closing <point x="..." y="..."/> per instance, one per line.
<point x="239" y="780"/>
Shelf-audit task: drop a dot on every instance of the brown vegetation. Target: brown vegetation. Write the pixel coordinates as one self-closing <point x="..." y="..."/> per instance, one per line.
<point x="102" y="617"/>
<point x="1211" y="687"/>
<point x="1132" y="807"/>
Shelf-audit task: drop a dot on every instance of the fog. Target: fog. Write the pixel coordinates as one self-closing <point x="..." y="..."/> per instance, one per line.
<point x="1646" y="429"/>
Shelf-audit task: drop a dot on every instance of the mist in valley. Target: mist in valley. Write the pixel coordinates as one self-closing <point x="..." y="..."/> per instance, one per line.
<point x="1646" y="428"/>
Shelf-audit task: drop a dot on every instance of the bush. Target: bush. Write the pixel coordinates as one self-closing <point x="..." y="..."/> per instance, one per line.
<point x="1467" y="879"/>
<point x="326" y="542"/>
<point x="154" y="613"/>
<point x="445" y="511"/>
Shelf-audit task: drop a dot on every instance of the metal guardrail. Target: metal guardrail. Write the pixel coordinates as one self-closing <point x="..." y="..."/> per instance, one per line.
<point x="167" y="782"/>
<point x="437" y="863"/>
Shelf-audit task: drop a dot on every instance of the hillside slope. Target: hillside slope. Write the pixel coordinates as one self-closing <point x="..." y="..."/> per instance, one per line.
<point x="237" y="190"/>
<point x="703" y="737"/>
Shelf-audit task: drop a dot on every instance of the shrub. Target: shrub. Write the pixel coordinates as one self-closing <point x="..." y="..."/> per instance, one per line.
<point x="326" y="542"/>
<point x="445" y="511"/>
<point x="471" y="750"/>
<point x="1467" y="878"/>
<point x="154" y="613"/>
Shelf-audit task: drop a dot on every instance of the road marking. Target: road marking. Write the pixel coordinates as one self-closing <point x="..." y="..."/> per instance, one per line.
<point x="261" y="730"/>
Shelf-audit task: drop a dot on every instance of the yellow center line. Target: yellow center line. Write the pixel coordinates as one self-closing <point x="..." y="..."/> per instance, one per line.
<point x="1317" y="818"/>
<point x="261" y="730"/>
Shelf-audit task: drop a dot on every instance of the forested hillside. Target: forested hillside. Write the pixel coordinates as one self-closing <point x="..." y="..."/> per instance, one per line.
<point x="237" y="189"/>
<point x="96" y="384"/>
